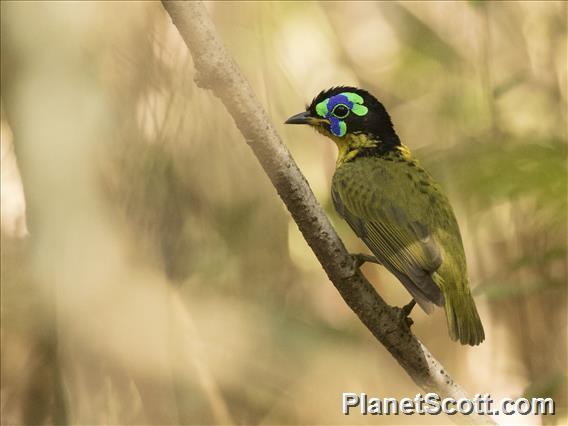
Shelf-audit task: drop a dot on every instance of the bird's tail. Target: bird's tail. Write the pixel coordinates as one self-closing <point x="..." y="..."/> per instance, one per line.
<point x="464" y="323"/>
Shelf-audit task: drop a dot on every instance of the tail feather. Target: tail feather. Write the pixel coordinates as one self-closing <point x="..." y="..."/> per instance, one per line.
<point x="464" y="323"/>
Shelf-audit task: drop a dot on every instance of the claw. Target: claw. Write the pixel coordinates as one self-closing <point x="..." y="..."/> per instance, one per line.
<point x="404" y="313"/>
<point x="407" y="321"/>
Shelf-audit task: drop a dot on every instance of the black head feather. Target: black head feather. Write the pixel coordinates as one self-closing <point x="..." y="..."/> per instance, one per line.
<point x="376" y="123"/>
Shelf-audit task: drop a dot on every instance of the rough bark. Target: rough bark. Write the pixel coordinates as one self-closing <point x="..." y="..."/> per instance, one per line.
<point x="217" y="71"/>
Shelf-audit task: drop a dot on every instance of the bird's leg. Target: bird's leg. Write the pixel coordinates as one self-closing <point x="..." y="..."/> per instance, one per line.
<point x="404" y="313"/>
<point x="407" y="309"/>
<point x="360" y="258"/>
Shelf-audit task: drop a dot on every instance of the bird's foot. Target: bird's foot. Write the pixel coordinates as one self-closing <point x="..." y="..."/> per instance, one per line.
<point x="360" y="258"/>
<point x="404" y="312"/>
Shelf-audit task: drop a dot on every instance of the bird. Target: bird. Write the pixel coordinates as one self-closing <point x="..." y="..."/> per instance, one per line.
<point x="395" y="206"/>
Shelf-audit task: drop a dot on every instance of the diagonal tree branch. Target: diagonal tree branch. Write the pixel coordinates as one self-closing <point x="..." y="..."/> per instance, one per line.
<point x="217" y="71"/>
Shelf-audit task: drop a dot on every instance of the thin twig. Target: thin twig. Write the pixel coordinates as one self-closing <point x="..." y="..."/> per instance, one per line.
<point x="217" y="71"/>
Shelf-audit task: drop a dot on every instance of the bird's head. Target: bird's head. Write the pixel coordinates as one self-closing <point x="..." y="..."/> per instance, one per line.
<point x="352" y="117"/>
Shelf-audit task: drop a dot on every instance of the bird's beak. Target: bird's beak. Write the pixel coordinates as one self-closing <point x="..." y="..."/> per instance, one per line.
<point x="301" y="118"/>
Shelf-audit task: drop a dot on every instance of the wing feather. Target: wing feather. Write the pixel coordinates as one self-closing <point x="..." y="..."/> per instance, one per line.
<point x="406" y="247"/>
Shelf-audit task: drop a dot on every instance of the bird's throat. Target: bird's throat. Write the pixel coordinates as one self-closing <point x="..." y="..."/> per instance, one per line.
<point x="352" y="145"/>
<point x="355" y="146"/>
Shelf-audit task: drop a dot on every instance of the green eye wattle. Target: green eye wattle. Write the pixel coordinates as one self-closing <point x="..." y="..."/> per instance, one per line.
<point x="340" y="111"/>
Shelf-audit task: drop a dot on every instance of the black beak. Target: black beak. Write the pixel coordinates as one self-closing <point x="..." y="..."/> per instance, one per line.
<point x="301" y="118"/>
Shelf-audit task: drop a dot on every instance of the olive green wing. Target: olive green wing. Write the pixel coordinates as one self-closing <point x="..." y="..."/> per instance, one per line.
<point x="403" y="244"/>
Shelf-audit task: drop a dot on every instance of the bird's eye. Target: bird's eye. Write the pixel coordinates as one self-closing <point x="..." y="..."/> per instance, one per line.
<point x="340" y="111"/>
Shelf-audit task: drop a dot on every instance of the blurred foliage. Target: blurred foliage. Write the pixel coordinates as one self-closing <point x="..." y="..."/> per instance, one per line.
<point x="501" y="168"/>
<point x="178" y="287"/>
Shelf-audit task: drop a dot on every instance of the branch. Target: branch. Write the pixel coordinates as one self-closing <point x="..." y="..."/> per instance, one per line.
<point x="217" y="71"/>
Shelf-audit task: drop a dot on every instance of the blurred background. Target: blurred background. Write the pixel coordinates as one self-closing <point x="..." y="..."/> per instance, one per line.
<point x="151" y="274"/>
